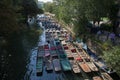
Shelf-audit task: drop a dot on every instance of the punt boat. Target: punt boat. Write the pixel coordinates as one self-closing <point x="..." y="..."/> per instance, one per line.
<point x="75" y="67"/>
<point x="97" y="78"/>
<point x="65" y="65"/>
<point x="39" y="66"/>
<point x="106" y="76"/>
<point x="56" y="64"/>
<point x="48" y="62"/>
<point x="83" y="65"/>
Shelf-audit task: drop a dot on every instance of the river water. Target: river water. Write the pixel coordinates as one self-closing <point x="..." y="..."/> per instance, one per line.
<point x="31" y="68"/>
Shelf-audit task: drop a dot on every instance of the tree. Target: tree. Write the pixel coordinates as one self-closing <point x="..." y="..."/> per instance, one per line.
<point x="8" y="23"/>
<point x="29" y="7"/>
<point x="112" y="58"/>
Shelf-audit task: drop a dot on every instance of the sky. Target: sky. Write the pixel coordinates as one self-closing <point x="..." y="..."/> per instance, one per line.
<point x="46" y="0"/>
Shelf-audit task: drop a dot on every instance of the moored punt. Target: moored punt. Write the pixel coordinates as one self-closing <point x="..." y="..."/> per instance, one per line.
<point x="75" y="67"/>
<point x="91" y="64"/>
<point x="48" y="63"/>
<point x="97" y="78"/>
<point x="69" y="55"/>
<point x="56" y="64"/>
<point x="40" y="48"/>
<point x="83" y="65"/>
<point x="39" y="65"/>
<point x="46" y="47"/>
<point x="100" y="64"/>
<point x="49" y="66"/>
<point x="53" y="53"/>
<point x="40" y="52"/>
<point x="65" y="65"/>
<point x="106" y="76"/>
<point x="61" y="54"/>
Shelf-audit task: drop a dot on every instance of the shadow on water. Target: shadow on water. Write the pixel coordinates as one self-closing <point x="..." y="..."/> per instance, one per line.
<point x="14" y="57"/>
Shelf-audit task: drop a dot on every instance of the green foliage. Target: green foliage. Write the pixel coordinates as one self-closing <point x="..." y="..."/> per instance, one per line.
<point x="8" y="23"/>
<point x="106" y="26"/>
<point x="112" y="58"/>
<point x="73" y="11"/>
<point x="15" y="38"/>
<point x="29" y="7"/>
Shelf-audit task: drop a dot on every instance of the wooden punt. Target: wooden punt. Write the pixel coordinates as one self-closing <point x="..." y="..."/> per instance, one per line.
<point x="100" y="64"/>
<point x="97" y="78"/>
<point x="69" y="55"/>
<point x="53" y="53"/>
<point x="106" y="76"/>
<point x="91" y="64"/>
<point x="48" y="62"/>
<point x="65" y="65"/>
<point x="40" y="52"/>
<point x="56" y="64"/>
<point x="46" y="47"/>
<point x="40" y="48"/>
<point x="75" y="67"/>
<point x="39" y="65"/>
<point x="83" y="65"/>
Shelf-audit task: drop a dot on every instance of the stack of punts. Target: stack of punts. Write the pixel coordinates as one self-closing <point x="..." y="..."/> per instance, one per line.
<point x="106" y="76"/>
<point x="39" y="65"/>
<point x="97" y="78"/>
<point x="87" y="60"/>
<point x="63" y="59"/>
<point x="81" y="62"/>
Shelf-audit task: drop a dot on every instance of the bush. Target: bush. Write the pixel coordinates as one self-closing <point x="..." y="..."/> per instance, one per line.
<point x="106" y="27"/>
